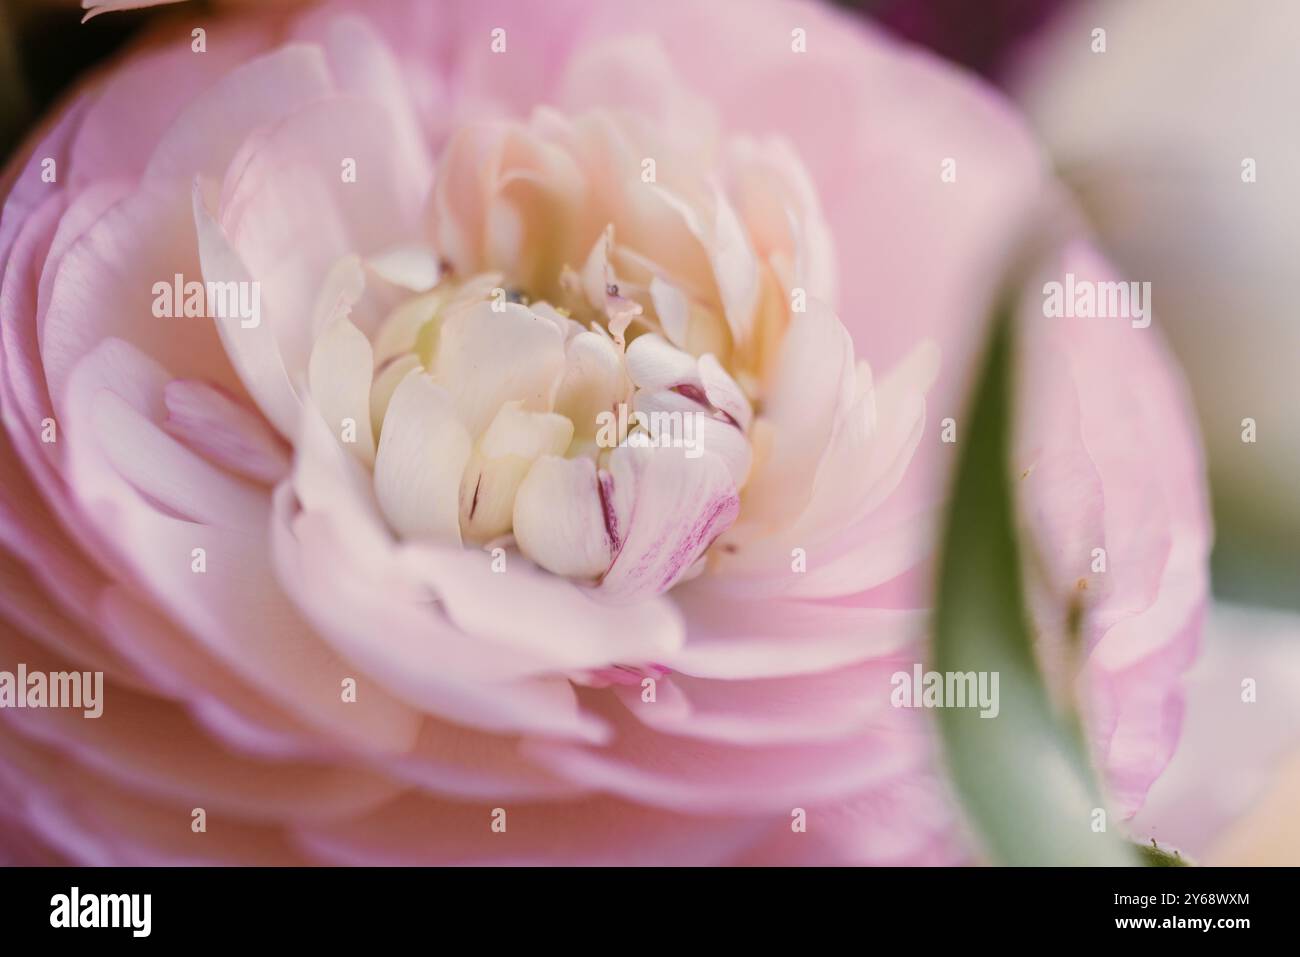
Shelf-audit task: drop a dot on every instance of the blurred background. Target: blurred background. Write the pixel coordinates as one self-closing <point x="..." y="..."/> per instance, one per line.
<point x="1177" y="128"/>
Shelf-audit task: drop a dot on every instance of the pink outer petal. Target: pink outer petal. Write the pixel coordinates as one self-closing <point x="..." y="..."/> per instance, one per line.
<point x="737" y="638"/>
<point x="521" y="609"/>
<point x="22" y="183"/>
<point x="861" y="557"/>
<point x="459" y="763"/>
<point x="129" y="108"/>
<point x="147" y="744"/>
<point x="208" y="133"/>
<point x="93" y="821"/>
<point x="362" y="64"/>
<point x="467" y="79"/>
<point x="704" y="777"/>
<point x="40" y="619"/>
<point x="910" y="823"/>
<point x="412" y="661"/>
<point x="37" y="518"/>
<point x="149" y="747"/>
<point x="104" y="288"/>
<point x="29" y="528"/>
<point x="224" y="431"/>
<point x="179" y="669"/>
<point x="230" y="608"/>
<point x="593" y="832"/>
<point x="26" y="404"/>
<point x="824" y="707"/>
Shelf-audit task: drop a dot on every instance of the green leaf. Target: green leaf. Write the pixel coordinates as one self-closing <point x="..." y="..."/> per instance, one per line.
<point x="1024" y="776"/>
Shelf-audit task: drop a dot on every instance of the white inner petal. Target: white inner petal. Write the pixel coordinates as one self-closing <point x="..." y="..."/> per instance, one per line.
<point x="488" y="357"/>
<point x="423" y="450"/>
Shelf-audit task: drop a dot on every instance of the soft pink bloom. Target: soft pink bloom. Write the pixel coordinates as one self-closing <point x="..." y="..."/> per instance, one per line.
<point x="395" y="471"/>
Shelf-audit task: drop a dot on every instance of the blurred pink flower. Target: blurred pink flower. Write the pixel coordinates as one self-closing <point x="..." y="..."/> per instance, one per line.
<point x="355" y="557"/>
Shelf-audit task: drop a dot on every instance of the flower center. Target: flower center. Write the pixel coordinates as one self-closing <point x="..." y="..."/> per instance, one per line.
<point x="538" y="391"/>
<point x="577" y="376"/>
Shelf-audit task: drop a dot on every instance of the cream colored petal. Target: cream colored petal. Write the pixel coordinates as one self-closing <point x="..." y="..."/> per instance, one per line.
<point x="673" y="310"/>
<point x="654" y="364"/>
<point x="675" y="421"/>
<point x="559" y="519"/>
<point x="602" y="287"/>
<point x="401" y="330"/>
<point x="514" y="440"/>
<point x="813" y="387"/>
<point x="341" y="290"/>
<point x="339" y="377"/>
<point x="385" y="384"/>
<point x="412" y="267"/>
<point x="422" y="455"/>
<point x="488" y="357"/>
<point x="594" y="382"/>
<point x="734" y="268"/>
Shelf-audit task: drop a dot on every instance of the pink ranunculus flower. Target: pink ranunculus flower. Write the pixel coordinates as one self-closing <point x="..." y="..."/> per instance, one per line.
<point x="551" y="441"/>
